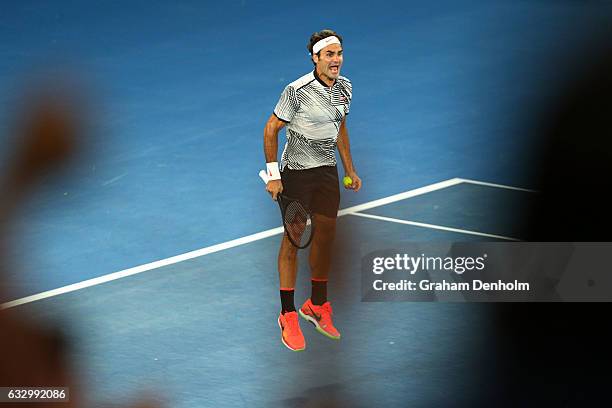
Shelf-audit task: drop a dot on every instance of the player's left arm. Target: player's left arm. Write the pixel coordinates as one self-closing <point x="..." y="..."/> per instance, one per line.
<point x="344" y="148"/>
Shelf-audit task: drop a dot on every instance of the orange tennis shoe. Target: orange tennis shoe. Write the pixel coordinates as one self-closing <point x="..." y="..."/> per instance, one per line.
<point x="291" y="334"/>
<point x="321" y="318"/>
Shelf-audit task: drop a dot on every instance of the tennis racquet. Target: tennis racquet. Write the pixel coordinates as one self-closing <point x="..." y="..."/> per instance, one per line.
<point x="297" y="220"/>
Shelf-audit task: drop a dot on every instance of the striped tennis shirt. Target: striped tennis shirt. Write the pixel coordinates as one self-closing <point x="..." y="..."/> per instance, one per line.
<point x="313" y="112"/>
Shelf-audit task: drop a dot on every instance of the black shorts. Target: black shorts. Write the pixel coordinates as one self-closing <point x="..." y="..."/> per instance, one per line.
<point x="317" y="189"/>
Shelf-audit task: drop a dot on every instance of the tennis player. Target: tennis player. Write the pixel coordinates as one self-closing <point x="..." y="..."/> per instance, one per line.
<point x="313" y="109"/>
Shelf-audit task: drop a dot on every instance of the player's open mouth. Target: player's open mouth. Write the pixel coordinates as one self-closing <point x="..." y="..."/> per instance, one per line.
<point x="333" y="69"/>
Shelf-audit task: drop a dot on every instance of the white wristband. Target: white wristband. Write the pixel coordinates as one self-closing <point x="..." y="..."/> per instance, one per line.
<point x="273" y="173"/>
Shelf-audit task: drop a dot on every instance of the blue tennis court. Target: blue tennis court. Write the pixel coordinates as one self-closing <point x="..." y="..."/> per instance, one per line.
<point x="158" y="250"/>
<point x="201" y="331"/>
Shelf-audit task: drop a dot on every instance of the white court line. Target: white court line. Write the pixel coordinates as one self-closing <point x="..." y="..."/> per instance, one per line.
<point x="218" y="247"/>
<point x="432" y="226"/>
<point x="483" y="183"/>
<point x="143" y="268"/>
<point x="401" y="196"/>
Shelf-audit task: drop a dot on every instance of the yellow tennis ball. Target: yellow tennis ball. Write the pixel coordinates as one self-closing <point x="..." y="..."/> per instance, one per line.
<point x="347" y="181"/>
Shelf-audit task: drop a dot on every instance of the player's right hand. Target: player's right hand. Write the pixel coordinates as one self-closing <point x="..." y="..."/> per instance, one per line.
<point x="274" y="187"/>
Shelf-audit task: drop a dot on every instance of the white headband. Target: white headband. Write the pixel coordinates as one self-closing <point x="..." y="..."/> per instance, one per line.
<point x="319" y="45"/>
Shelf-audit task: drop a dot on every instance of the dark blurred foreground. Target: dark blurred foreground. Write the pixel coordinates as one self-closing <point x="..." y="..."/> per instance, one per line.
<point x="558" y="354"/>
<point x="47" y="132"/>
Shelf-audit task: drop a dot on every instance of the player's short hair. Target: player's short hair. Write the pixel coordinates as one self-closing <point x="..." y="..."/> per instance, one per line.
<point x="318" y="36"/>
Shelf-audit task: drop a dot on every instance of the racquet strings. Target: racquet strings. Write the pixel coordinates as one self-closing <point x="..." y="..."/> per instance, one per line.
<point x="297" y="223"/>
